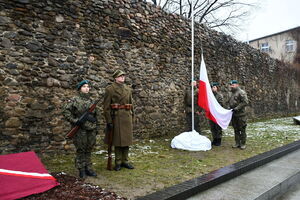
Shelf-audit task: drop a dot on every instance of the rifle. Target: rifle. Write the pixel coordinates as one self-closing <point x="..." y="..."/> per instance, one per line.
<point x="108" y="140"/>
<point x="81" y="120"/>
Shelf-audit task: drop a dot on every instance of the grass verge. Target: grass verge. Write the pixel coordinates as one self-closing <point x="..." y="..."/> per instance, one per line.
<point x="157" y="165"/>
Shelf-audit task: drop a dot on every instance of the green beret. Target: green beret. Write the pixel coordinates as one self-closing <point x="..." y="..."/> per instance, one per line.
<point x="214" y="84"/>
<point x="79" y="85"/>
<point x="118" y="73"/>
<point x="233" y="82"/>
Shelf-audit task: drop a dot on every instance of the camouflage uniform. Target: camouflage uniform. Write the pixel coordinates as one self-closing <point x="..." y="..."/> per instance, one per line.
<point x="85" y="139"/>
<point x="238" y="101"/>
<point x="216" y="130"/>
<point x="188" y="109"/>
<point x="121" y="117"/>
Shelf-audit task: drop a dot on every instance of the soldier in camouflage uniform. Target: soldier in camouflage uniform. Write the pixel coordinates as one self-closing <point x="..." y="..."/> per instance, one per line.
<point x="118" y="113"/>
<point x="216" y="130"/>
<point x="85" y="139"/>
<point x="237" y="102"/>
<point x="188" y="107"/>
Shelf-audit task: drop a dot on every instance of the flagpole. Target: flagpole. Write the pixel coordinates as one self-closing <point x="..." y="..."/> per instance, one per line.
<point x="192" y="78"/>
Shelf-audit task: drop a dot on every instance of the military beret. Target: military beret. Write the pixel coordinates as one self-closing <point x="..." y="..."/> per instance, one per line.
<point x="118" y="73"/>
<point x="233" y="82"/>
<point x="214" y="84"/>
<point x="79" y="85"/>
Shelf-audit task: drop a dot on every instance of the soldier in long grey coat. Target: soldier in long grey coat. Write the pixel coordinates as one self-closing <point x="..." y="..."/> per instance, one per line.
<point x="85" y="138"/>
<point x="216" y="130"/>
<point x="118" y="113"/>
<point x="237" y="102"/>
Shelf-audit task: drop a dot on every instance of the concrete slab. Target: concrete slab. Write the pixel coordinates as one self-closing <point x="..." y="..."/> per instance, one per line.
<point x="260" y="183"/>
<point x="193" y="187"/>
<point x="292" y="194"/>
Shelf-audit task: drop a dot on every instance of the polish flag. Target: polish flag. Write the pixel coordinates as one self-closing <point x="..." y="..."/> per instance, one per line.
<point x="23" y="174"/>
<point x="206" y="100"/>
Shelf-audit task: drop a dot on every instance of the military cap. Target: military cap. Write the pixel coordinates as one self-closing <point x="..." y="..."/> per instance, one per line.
<point x="118" y="73"/>
<point x="233" y="82"/>
<point x="79" y="85"/>
<point x="214" y="84"/>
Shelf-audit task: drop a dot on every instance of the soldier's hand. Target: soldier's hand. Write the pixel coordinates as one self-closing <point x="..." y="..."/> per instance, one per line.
<point x="91" y="118"/>
<point x="78" y="123"/>
<point x="109" y="126"/>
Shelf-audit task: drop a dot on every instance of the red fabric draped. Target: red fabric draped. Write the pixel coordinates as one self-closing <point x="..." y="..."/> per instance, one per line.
<point x="26" y="176"/>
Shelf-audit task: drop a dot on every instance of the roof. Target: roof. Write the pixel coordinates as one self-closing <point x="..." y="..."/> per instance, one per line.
<point x="288" y="30"/>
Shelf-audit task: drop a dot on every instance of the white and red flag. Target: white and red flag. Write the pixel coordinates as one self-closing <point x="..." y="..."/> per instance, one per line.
<point x="206" y="100"/>
<point x="23" y="174"/>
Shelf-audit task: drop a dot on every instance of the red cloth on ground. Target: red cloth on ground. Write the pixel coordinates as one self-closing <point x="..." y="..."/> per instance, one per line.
<point x="17" y="186"/>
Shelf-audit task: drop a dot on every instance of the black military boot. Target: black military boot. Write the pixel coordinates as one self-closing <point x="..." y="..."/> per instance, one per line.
<point x="214" y="142"/>
<point x="117" y="168"/>
<point x="127" y="165"/>
<point x="218" y="142"/>
<point x="82" y="173"/>
<point x="237" y="140"/>
<point x="90" y="172"/>
<point x="243" y="139"/>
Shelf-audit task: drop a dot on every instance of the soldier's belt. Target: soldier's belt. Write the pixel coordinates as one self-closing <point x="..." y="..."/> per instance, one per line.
<point x="119" y="106"/>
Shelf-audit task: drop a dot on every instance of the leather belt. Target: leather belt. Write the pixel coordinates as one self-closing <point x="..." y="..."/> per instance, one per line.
<point x="119" y="106"/>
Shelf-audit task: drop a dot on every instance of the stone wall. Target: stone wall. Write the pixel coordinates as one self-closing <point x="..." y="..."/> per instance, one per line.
<point x="48" y="46"/>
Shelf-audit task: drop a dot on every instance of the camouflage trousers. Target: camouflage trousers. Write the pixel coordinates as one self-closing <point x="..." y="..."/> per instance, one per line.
<point x="189" y="122"/>
<point x="121" y="155"/>
<point x="215" y="129"/>
<point x="239" y="125"/>
<point x="84" y="142"/>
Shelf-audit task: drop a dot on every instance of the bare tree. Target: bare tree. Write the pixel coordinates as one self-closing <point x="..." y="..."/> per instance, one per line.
<point x="161" y="3"/>
<point x="225" y="15"/>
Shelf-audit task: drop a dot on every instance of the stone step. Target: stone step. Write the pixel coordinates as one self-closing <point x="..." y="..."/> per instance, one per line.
<point x="292" y="194"/>
<point x="239" y="180"/>
<point x="263" y="183"/>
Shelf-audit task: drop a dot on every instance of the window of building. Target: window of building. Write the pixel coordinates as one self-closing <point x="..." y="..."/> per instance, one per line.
<point x="264" y="47"/>
<point x="289" y="45"/>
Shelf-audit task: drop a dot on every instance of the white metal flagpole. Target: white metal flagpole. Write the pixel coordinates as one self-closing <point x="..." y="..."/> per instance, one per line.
<point x="192" y="78"/>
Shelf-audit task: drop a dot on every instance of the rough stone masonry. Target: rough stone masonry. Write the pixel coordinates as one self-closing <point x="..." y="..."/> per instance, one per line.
<point x="47" y="46"/>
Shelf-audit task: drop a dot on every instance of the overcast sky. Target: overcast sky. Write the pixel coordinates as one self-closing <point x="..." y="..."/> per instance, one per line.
<point x="273" y="16"/>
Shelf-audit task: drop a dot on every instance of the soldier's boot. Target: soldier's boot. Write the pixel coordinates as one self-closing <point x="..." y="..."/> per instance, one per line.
<point x="243" y="139"/>
<point x="125" y="152"/>
<point x="218" y="141"/>
<point x="237" y="140"/>
<point x="90" y="172"/>
<point x="214" y="141"/>
<point x="127" y="165"/>
<point x="82" y="173"/>
<point x="118" y="158"/>
<point x="117" y="167"/>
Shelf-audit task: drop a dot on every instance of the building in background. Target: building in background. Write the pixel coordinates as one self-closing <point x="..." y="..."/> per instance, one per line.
<point x="284" y="45"/>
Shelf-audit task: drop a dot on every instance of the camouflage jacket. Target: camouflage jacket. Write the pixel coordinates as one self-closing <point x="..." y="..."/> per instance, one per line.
<point x="76" y="106"/>
<point x="219" y="98"/>
<point x="238" y="100"/>
<point x="188" y="100"/>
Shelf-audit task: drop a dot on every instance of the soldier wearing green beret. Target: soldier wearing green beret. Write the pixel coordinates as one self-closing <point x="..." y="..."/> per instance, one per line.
<point x="85" y="138"/>
<point x="238" y="100"/>
<point x="118" y="113"/>
<point x="188" y="107"/>
<point x="216" y="130"/>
